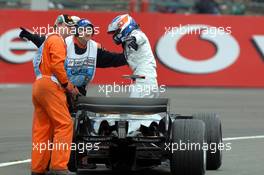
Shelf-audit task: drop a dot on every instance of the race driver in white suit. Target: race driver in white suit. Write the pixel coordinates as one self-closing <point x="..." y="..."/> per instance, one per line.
<point x="138" y="53"/>
<point x="140" y="58"/>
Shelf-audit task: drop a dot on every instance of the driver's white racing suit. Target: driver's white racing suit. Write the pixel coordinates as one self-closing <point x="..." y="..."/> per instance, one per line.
<point x="142" y="63"/>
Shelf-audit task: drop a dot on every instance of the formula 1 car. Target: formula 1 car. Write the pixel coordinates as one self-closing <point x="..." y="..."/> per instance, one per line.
<point x="104" y="125"/>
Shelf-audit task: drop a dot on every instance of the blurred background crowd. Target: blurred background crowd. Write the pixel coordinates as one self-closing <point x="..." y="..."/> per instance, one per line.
<point x="232" y="7"/>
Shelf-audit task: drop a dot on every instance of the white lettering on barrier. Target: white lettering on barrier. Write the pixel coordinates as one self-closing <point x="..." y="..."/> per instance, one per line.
<point x="259" y="42"/>
<point x="7" y="46"/>
<point x="227" y="51"/>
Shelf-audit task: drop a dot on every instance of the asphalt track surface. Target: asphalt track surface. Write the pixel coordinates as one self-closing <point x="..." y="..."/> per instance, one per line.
<point x="241" y="110"/>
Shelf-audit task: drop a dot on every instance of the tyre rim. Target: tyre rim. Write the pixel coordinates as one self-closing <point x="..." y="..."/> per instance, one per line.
<point x="204" y="157"/>
<point x="221" y="141"/>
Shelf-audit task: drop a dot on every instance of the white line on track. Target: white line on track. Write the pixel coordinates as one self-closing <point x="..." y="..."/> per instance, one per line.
<point x="224" y="139"/>
<point x="243" y="138"/>
<point x="14" y="163"/>
<point x="8" y="86"/>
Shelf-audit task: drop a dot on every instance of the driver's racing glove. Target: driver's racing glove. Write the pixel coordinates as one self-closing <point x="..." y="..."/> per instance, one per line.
<point x="24" y="34"/>
<point x="131" y="42"/>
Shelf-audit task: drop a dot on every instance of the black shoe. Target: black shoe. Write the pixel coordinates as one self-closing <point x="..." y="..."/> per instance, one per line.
<point x="63" y="172"/>
<point x="37" y="173"/>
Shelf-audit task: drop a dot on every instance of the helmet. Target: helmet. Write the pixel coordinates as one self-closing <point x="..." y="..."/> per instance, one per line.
<point x="121" y="27"/>
<point x="75" y="19"/>
<point x="84" y="23"/>
<point x="66" y="19"/>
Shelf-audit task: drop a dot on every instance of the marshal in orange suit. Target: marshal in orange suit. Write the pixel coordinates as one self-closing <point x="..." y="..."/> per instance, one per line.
<point x="52" y="122"/>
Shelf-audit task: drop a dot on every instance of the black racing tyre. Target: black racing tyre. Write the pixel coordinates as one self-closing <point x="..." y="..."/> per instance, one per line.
<point x="187" y="160"/>
<point x="72" y="164"/>
<point x="213" y="137"/>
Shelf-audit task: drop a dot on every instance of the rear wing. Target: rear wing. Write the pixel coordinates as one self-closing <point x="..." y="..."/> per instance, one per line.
<point x="121" y="105"/>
